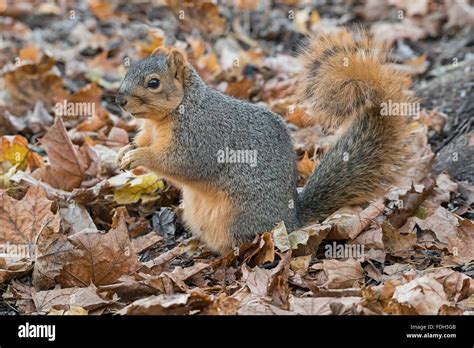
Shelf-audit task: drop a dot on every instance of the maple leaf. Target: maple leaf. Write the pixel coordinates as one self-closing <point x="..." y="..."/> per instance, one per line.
<point x="21" y="221"/>
<point x="104" y="257"/>
<point x="14" y="149"/>
<point x="67" y="165"/>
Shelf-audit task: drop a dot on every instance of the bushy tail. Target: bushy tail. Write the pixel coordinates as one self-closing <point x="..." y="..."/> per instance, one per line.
<point x="350" y="86"/>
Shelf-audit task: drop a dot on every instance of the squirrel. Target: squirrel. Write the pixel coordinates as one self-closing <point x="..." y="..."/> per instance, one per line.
<point x="189" y="126"/>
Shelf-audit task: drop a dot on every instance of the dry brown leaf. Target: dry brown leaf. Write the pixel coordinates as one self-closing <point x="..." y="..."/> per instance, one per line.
<point x="350" y="222"/>
<point x="19" y="294"/>
<point x="104" y="256"/>
<point x="462" y="245"/>
<point x="457" y="286"/>
<point x="259" y="251"/>
<point x="102" y="9"/>
<point x="32" y="82"/>
<point x="408" y="202"/>
<point x="300" y="264"/>
<point x="278" y="289"/>
<point x="377" y="297"/>
<point x="450" y="310"/>
<point x="176" y="278"/>
<point x="75" y="218"/>
<point x="53" y="251"/>
<point x="142" y="243"/>
<point x="35" y="121"/>
<point x="240" y="89"/>
<point x="396" y="269"/>
<point x="396" y="242"/>
<point x="460" y="14"/>
<point x="323" y="305"/>
<point x="175" y="304"/>
<point x="442" y="223"/>
<point x="336" y="274"/>
<point x="422" y="295"/>
<point x="390" y="33"/>
<point x="224" y="305"/>
<point x="67" y="164"/>
<point x="13" y="269"/>
<point x="156" y="265"/>
<point x="21" y="221"/>
<point x="86" y="298"/>
<point x="253" y="304"/>
<point x="129" y="288"/>
<point x="372" y="238"/>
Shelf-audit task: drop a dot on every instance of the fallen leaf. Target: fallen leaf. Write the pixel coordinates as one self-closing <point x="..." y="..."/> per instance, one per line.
<point x="377" y="297"/>
<point x="323" y="305"/>
<point x="143" y="243"/>
<point x="278" y="289"/>
<point x="21" y="221"/>
<point x="32" y="82"/>
<point x="280" y="237"/>
<point x="396" y="242"/>
<point x="457" y="285"/>
<point x="462" y="245"/>
<point x="350" y="222"/>
<point x="442" y="223"/>
<point x="337" y="274"/>
<point x="53" y="251"/>
<point x="422" y="295"/>
<point x="67" y="165"/>
<point x="75" y="218"/>
<point x="176" y="304"/>
<point x="130" y="188"/>
<point x="86" y="298"/>
<point x="259" y="251"/>
<point x="104" y="256"/>
<point x="14" y="149"/>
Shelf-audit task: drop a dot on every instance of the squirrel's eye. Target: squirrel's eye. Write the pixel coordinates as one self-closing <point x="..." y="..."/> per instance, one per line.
<point x="153" y="83"/>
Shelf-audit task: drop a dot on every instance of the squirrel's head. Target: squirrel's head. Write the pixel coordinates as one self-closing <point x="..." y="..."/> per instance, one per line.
<point x="154" y="87"/>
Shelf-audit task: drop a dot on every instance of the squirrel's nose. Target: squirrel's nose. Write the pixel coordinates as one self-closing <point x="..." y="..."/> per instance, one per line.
<point x="121" y="100"/>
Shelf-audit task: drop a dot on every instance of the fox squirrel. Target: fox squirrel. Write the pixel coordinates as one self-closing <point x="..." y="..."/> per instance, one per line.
<point x="188" y="125"/>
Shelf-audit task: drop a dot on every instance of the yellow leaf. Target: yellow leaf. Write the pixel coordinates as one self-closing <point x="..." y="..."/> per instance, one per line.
<point x="14" y="149"/>
<point x="130" y="189"/>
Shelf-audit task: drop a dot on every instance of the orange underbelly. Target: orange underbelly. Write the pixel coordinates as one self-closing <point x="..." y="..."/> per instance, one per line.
<point x="208" y="214"/>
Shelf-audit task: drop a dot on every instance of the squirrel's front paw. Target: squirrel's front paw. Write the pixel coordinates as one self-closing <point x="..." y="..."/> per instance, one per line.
<point x="124" y="150"/>
<point x="134" y="158"/>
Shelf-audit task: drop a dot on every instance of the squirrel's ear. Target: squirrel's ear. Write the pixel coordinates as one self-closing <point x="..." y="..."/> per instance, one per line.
<point x="177" y="61"/>
<point x="159" y="51"/>
<point x="178" y="64"/>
